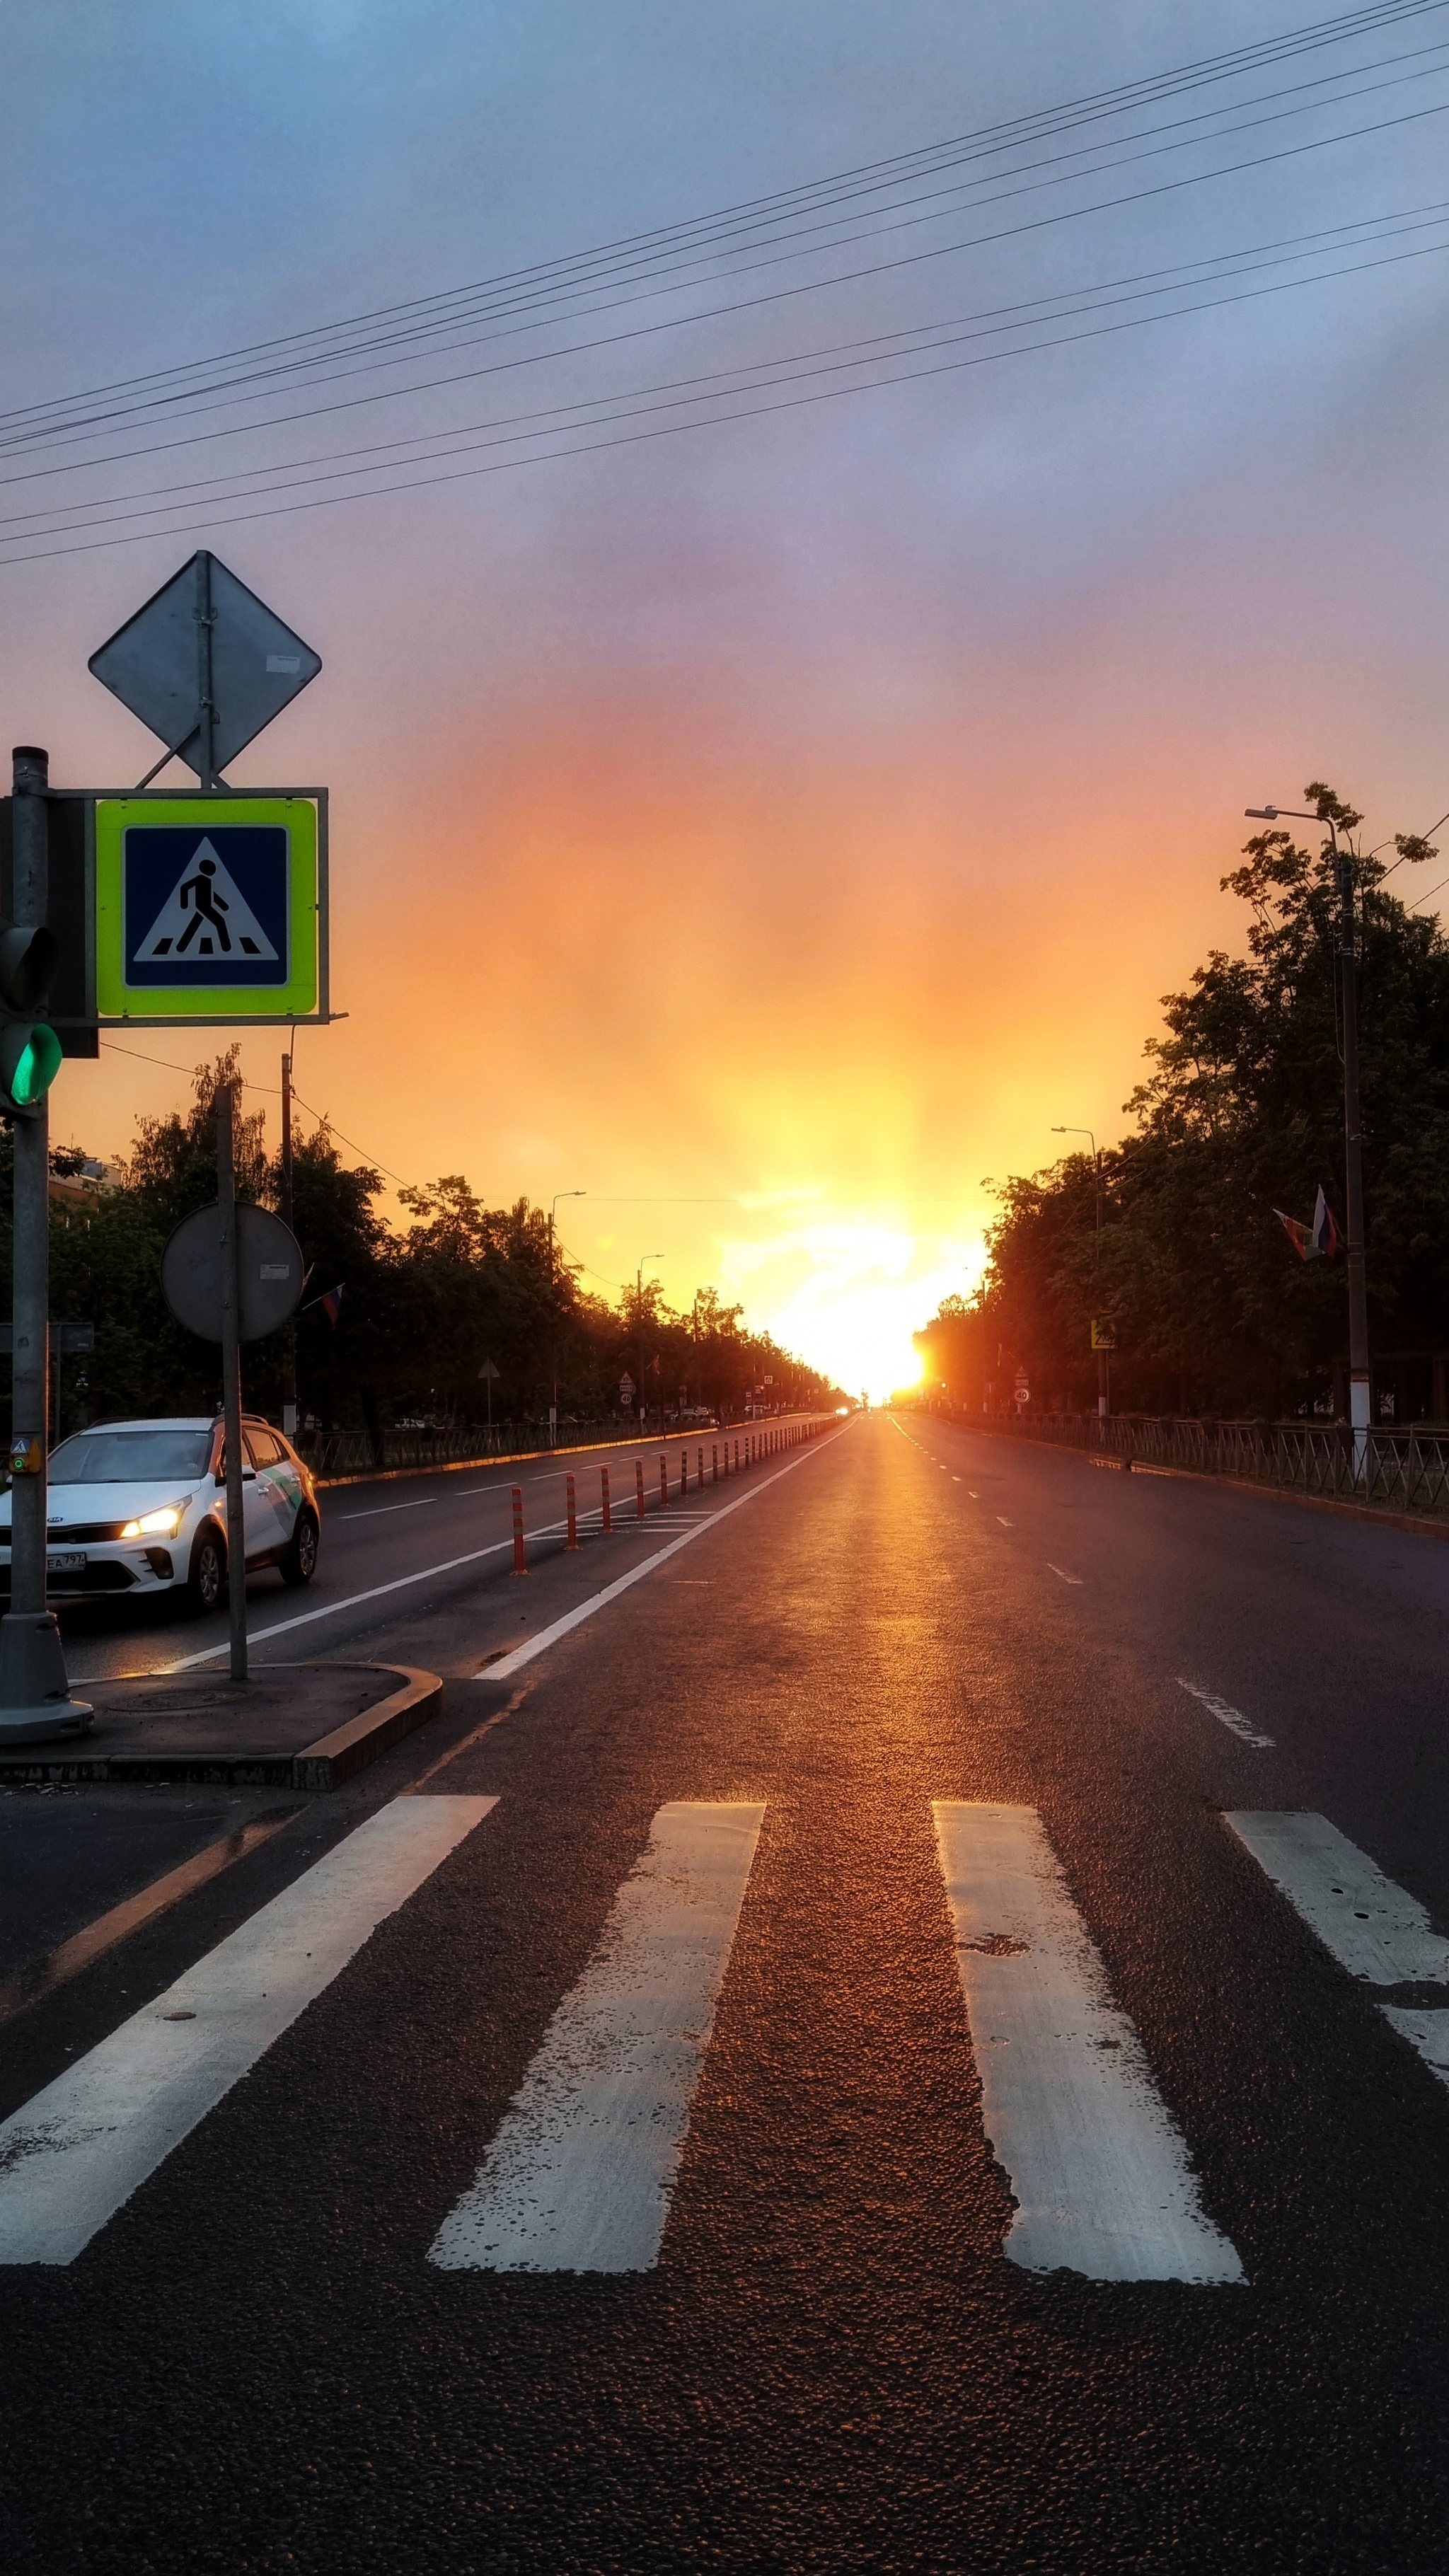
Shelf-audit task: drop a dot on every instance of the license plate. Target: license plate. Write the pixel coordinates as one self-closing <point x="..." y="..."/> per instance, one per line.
<point x="70" y="1560"/>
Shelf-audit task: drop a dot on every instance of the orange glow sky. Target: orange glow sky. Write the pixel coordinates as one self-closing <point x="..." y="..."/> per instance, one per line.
<point x="775" y="831"/>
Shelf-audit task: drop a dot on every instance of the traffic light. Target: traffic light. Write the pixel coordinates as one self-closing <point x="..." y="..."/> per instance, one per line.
<point x="30" y="1051"/>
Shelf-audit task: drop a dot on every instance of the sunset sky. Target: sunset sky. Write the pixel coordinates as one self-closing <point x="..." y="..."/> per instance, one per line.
<point x="774" y="828"/>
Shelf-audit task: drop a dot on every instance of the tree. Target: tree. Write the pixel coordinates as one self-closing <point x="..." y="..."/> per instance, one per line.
<point x="1240" y="1114"/>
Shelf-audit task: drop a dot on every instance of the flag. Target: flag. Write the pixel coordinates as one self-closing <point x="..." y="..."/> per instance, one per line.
<point x="1325" y="1232"/>
<point x="331" y="1303"/>
<point x="1315" y="1242"/>
<point x="1297" y="1233"/>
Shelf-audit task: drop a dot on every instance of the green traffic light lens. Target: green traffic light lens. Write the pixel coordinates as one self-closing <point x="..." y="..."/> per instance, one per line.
<point x="36" y="1067"/>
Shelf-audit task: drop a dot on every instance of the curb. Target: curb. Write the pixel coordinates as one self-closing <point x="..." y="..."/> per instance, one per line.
<point x="335" y="1757"/>
<point x="323" y="1765"/>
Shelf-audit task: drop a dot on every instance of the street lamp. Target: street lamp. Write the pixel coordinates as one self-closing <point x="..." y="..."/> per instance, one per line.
<point x="1358" y="1333"/>
<point x="1104" y="1387"/>
<point x="552" y="1281"/>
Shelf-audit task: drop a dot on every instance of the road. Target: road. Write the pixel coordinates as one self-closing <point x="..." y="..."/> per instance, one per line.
<point x="796" y="2072"/>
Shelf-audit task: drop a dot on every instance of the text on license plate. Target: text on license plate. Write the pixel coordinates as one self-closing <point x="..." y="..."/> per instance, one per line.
<point x="68" y="1560"/>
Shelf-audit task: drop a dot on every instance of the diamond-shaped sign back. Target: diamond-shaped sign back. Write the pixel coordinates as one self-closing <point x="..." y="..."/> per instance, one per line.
<point x="205" y="636"/>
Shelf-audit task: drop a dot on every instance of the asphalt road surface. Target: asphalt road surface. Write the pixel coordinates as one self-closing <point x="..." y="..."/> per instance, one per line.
<point x="912" y="2035"/>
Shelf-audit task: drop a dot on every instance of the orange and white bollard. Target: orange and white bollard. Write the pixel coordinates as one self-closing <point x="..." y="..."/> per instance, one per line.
<point x="639" y="1485"/>
<point x="608" y="1516"/>
<point x="663" y="1481"/>
<point x="520" y="1561"/>
<point x="699" y="1479"/>
<point x="571" y="1511"/>
<point x="684" y="1471"/>
<point x="714" y="1464"/>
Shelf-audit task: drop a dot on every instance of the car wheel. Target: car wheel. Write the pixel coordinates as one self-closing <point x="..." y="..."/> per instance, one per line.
<point x="207" y="1580"/>
<point x="300" y="1562"/>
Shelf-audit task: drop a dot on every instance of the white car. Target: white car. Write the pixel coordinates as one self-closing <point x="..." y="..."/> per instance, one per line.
<point x="140" y="1507"/>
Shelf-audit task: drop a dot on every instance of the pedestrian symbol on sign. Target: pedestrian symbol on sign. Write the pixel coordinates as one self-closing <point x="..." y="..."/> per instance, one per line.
<point x="207" y="914"/>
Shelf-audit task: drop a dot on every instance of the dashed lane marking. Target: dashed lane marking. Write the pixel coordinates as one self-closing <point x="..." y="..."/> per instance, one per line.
<point x="1005" y="1523"/>
<point x="375" y="1511"/>
<point x="77" y="2152"/>
<point x="1098" y="2170"/>
<point x="1375" y="1930"/>
<point x="1233" y="1718"/>
<point x="1062" y="1572"/>
<point x="580" y="2175"/>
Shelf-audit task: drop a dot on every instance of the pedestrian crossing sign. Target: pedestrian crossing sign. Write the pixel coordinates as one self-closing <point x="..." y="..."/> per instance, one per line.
<point x="206" y="908"/>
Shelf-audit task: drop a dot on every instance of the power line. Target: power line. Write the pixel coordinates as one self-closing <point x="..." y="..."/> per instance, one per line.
<point x="895" y="170"/>
<point x="31" y="434"/>
<point x="717" y="385"/>
<point x="674" y="429"/>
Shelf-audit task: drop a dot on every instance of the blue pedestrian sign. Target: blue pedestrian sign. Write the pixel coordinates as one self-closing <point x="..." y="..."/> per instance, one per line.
<point x="206" y="908"/>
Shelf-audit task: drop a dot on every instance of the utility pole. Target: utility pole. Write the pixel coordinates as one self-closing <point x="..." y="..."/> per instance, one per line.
<point x="1359" y="1369"/>
<point x="289" y="1400"/>
<point x="1359" y="1379"/>
<point x="1104" y="1382"/>
<point x="236" y="1538"/>
<point x="639" y="1321"/>
<point x="553" y="1317"/>
<point x="35" y="1701"/>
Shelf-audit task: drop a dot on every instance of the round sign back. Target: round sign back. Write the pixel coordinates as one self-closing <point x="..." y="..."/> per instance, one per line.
<point x="269" y="1268"/>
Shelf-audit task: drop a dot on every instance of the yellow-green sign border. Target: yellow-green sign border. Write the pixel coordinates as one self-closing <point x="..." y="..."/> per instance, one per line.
<point x="118" y="1004"/>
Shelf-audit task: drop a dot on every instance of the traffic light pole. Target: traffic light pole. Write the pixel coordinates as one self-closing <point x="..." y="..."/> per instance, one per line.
<point x="35" y="1701"/>
<point x="236" y="1536"/>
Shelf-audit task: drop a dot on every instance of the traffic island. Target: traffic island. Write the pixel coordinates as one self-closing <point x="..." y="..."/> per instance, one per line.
<point x="291" y="1726"/>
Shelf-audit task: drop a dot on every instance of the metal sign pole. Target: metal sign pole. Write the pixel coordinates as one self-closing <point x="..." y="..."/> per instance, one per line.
<point x="35" y="1699"/>
<point x="236" y="1541"/>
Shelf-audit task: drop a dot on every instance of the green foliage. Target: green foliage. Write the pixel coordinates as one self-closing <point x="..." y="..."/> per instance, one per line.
<point x="1241" y="1113"/>
<point x="421" y="1309"/>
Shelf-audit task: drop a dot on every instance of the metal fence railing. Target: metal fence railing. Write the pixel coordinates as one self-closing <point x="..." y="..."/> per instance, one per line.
<point x="1402" y="1471"/>
<point x="355" y="1453"/>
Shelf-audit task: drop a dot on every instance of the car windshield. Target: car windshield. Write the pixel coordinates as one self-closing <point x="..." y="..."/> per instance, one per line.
<point x="142" y="1456"/>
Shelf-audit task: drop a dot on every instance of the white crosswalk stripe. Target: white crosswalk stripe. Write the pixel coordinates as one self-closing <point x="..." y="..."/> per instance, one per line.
<point x="1099" y="2172"/>
<point x="580" y="2175"/>
<point x="1375" y="1930"/>
<point x="78" y="2150"/>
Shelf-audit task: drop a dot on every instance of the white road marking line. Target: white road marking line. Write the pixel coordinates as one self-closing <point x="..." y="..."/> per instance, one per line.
<point x="375" y="1511"/>
<point x="1099" y="2172"/>
<point x="1061" y="1570"/>
<point x="581" y="2172"/>
<point x="971" y="1490"/>
<point x="1375" y="1930"/>
<point x="571" y="1619"/>
<point x="1229" y="1716"/>
<point x="76" y="2153"/>
<point x="1006" y="1524"/>
<point x="332" y="1609"/>
<point x="450" y="1565"/>
<point x="1425" y="2029"/>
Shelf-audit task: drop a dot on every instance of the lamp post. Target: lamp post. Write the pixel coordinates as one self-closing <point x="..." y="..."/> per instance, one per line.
<point x="1358" y="1333"/>
<point x="552" y="1282"/>
<point x="1104" y="1383"/>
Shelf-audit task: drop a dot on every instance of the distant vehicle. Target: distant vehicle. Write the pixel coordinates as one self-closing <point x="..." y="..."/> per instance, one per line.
<point x="699" y="1414"/>
<point x="140" y="1507"/>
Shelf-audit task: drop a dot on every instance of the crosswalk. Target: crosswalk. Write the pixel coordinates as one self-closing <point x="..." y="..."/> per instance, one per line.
<point x="578" y="2175"/>
<point x="1099" y="2173"/>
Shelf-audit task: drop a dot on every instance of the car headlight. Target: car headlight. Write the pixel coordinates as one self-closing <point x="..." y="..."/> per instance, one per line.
<point x="162" y="1524"/>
